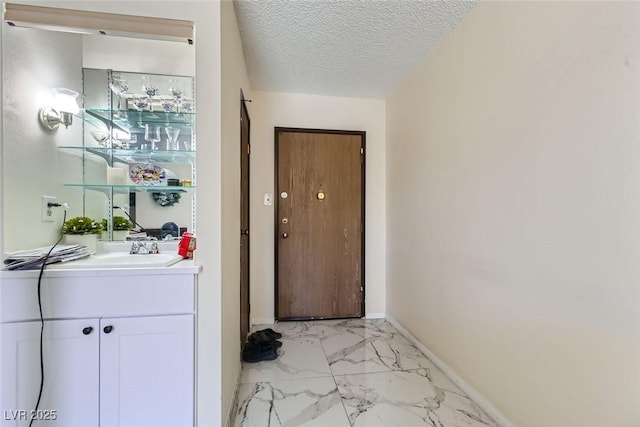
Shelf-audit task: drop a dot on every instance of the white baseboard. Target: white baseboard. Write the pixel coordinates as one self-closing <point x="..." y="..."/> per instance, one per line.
<point x="271" y="320"/>
<point x="234" y="404"/>
<point x="262" y="321"/>
<point x="374" y="316"/>
<point x="473" y="394"/>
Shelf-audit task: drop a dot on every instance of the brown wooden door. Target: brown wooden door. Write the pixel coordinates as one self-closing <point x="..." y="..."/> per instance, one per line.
<point x="319" y="224"/>
<point x="245" y="148"/>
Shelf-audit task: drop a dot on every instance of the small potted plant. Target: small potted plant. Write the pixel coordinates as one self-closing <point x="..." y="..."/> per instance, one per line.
<point x="82" y="230"/>
<point x="121" y="227"/>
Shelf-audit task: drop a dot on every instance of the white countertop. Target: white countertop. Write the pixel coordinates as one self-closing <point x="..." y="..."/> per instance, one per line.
<point x="183" y="267"/>
<point x="70" y="269"/>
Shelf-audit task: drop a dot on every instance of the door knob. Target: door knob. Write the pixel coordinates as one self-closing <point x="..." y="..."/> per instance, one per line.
<point x="244" y="232"/>
<point x="87" y="330"/>
<point x="285" y="235"/>
<point x="108" y="329"/>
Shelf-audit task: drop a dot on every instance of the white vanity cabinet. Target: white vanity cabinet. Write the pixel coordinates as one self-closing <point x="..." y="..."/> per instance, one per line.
<point x="71" y="394"/>
<point x="129" y="364"/>
<point x="146" y="371"/>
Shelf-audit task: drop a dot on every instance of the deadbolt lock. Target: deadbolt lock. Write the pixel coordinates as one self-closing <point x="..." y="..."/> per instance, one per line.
<point x="285" y="220"/>
<point x="321" y="195"/>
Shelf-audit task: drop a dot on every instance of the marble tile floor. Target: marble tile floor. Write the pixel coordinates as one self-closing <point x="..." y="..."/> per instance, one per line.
<point x="356" y="372"/>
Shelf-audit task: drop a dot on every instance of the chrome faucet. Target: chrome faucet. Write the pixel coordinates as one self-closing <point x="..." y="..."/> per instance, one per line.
<point x="140" y="247"/>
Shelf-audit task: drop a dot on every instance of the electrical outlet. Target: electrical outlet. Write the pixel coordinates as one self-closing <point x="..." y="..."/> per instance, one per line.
<point x="46" y="212"/>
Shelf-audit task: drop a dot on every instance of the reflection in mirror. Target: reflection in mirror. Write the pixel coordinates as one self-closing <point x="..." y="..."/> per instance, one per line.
<point x="145" y="143"/>
<point x="34" y="160"/>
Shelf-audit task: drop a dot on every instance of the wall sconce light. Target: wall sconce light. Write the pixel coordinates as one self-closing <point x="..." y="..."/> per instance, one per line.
<point x="65" y="106"/>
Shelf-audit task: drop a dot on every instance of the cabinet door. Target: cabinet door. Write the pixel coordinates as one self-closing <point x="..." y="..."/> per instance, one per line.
<point x="147" y="371"/>
<point x="71" y="367"/>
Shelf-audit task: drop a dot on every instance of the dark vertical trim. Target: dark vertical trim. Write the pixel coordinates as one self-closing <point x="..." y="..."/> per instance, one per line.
<point x="276" y="216"/>
<point x="363" y="146"/>
<point x="363" y="201"/>
<point x="243" y="110"/>
<point x="132" y="206"/>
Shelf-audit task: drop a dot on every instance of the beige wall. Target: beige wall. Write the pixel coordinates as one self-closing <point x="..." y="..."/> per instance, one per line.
<point x="206" y="16"/>
<point x="271" y="109"/>
<point x="513" y="173"/>
<point x="234" y="78"/>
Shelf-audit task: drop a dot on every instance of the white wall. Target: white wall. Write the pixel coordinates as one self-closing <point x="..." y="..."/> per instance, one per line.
<point x="2" y="148"/>
<point x="271" y="109"/>
<point x="513" y="173"/>
<point x="138" y="56"/>
<point x="234" y="78"/>
<point x="206" y="17"/>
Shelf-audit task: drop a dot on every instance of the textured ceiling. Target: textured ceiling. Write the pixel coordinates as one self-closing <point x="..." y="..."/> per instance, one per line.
<point x="353" y="48"/>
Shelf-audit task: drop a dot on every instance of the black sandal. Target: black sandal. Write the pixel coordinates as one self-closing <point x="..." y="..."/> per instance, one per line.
<point x="273" y="334"/>
<point x="262" y="336"/>
<point x="259" y="351"/>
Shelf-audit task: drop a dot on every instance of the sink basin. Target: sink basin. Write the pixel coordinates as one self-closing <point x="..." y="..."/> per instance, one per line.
<point x="120" y="260"/>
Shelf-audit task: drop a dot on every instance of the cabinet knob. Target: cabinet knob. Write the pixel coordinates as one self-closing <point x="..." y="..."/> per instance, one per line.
<point x="108" y="329"/>
<point x="87" y="330"/>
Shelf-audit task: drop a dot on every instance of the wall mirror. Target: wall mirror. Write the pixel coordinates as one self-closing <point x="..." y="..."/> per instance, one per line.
<point x="127" y="153"/>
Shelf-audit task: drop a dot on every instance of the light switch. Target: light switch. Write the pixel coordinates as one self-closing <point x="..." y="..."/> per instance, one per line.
<point x="268" y="199"/>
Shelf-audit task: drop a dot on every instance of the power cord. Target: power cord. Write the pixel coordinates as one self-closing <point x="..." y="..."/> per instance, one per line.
<point x="44" y="264"/>
<point x="57" y="205"/>
<point x="129" y="216"/>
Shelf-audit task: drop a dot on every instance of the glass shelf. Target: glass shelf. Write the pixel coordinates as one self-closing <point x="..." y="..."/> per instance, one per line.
<point x="126" y="188"/>
<point x="129" y="120"/>
<point x="131" y="156"/>
<point x="111" y="122"/>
